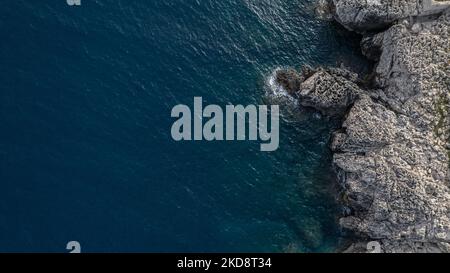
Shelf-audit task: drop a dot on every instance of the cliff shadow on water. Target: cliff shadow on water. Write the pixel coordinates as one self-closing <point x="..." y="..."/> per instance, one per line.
<point x="282" y="87"/>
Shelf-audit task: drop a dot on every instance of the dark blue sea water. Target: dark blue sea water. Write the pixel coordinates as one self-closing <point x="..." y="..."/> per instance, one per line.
<point x="85" y="146"/>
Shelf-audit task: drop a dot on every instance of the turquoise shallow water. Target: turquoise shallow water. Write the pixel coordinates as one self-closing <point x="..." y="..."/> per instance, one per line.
<point x="85" y="147"/>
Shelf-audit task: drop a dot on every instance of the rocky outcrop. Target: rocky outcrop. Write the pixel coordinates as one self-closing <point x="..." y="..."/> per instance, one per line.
<point x="392" y="152"/>
<point x="392" y="155"/>
<point x="330" y="91"/>
<point x="367" y="15"/>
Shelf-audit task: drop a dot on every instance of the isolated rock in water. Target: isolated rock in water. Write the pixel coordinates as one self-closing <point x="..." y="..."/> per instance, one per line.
<point x="330" y="91"/>
<point x="359" y="15"/>
<point x="290" y="80"/>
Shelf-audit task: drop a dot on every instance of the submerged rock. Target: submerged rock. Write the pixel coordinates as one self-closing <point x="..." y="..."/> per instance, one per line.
<point x="290" y="80"/>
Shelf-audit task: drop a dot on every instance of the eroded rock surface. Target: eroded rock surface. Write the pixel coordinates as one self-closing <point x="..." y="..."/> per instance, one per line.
<point x="392" y="153"/>
<point x="330" y="91"/>
<point x="366" y="15"/>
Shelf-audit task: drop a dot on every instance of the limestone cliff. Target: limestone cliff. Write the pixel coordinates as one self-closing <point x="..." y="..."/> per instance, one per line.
<point x="392" y="153"/>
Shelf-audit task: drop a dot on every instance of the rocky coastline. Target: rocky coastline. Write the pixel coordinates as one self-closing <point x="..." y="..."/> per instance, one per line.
<point x="392" y="152"/>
